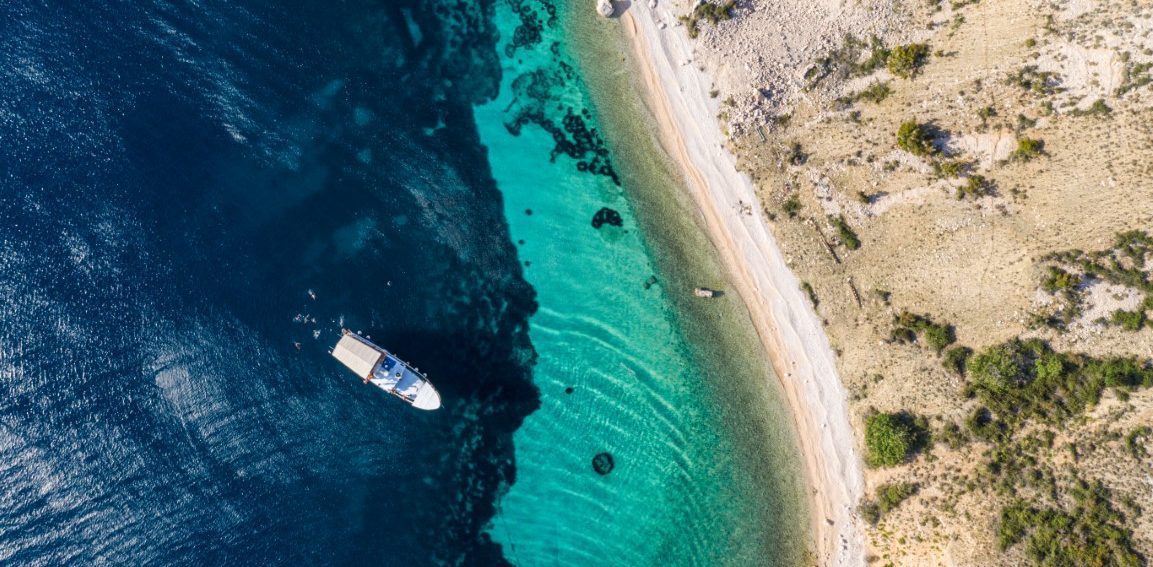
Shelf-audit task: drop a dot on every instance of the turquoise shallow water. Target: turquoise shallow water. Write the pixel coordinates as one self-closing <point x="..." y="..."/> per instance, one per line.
<point x="703" y="459"/>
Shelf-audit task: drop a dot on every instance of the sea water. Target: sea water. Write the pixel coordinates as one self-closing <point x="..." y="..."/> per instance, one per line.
<point x="196" y="198"/>
<point x="178" y="181"/>
<point x="677" y="392"/>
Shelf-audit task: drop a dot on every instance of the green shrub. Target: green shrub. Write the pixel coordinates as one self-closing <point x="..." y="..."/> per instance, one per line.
<point x="1027" y="149"/>
<point x="1098" y="109"/>
<point x="792" y="206"/>
<point x="1060" y="280"/>
<point x="1024" y="122"/>
<point x="984" y="427"/>
<point x="796" y="154"/>
<point x="915" y="138"/>
<point x="713" y="13"/>
<point x="956" y="359"/>
<point x="845" y="62"/>
<point x="952" y="436"/>
<point x="876" y="93"/>
<point x="890" y="438"/>
<point x="890" y="495"/>
<point x="1124" y="264"/>
<point x="949" y="168"/>
<point x="845" y="232"/>
<point x="1021" y="380"/>
<point x="1003" y="365"/>
<point x="1094" y="533"/>
<point x="908" y="326"/>
<point x="1133" y="441"/>
<point x="976" y="186"/>
<point x="1129" y="320"/>
<point x="870" y="511"/>
<point x="878" y="57"/>
<point x="985" y="113"/>
<point x="903" y="335"/>
<point x="905" y="61"/>
<point x="1034" y="81"/>
<point x="938" y="337"/>
<point x="809" y="291"/>
<point x="1134" y="76"/>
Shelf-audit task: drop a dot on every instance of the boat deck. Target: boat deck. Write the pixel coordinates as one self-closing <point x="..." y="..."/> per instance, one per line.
<point x="392" y="373"/>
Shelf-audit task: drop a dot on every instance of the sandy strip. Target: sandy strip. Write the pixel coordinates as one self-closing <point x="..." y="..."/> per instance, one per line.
<point x="787" y="325"/>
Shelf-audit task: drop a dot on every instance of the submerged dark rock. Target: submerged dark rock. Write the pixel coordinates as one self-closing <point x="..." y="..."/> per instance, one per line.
<point x="568" y="390"/>
<point x="603" y="463"/>
<point x="607" y="216"/>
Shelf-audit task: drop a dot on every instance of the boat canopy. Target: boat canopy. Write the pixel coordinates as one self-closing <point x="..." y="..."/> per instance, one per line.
<point x="357" y="354"/>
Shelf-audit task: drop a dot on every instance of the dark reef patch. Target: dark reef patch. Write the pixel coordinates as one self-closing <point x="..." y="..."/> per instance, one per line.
<point x="603" y="463"/>
<point x="607" y="216"/>
<point x="530" y="31"/>
<point x="535" y="102"/>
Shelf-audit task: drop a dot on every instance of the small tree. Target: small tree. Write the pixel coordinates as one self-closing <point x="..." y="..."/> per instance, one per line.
<point x="1027" y="149"/>
<point x="905" y="61"/>
<point x="915" y="139"/>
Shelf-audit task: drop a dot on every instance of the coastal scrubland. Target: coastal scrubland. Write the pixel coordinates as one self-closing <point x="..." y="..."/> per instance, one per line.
<point x="966" y="190"/>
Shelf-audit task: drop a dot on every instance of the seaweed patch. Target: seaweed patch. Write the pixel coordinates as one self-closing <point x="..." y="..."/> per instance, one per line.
<point x="530" y="31"/>
<point x="603" y="463"/>
<point x="536" y="100"/>
<point x="607" y="216"/>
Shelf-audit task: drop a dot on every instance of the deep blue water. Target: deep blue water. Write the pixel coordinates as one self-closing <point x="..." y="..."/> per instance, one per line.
<point x="174" y="179"/>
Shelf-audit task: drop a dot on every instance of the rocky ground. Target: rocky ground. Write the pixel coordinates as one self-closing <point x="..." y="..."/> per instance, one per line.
<point x="1033" y="136"/>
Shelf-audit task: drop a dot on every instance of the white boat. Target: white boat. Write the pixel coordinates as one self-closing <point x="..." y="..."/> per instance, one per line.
<point x="386" y="371"/>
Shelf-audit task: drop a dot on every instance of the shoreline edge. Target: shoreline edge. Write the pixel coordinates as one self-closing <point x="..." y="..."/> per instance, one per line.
<point x="790" y="331"/>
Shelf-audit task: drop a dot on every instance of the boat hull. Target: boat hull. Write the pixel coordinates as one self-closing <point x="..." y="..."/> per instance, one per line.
<point x="384" y="370"/>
